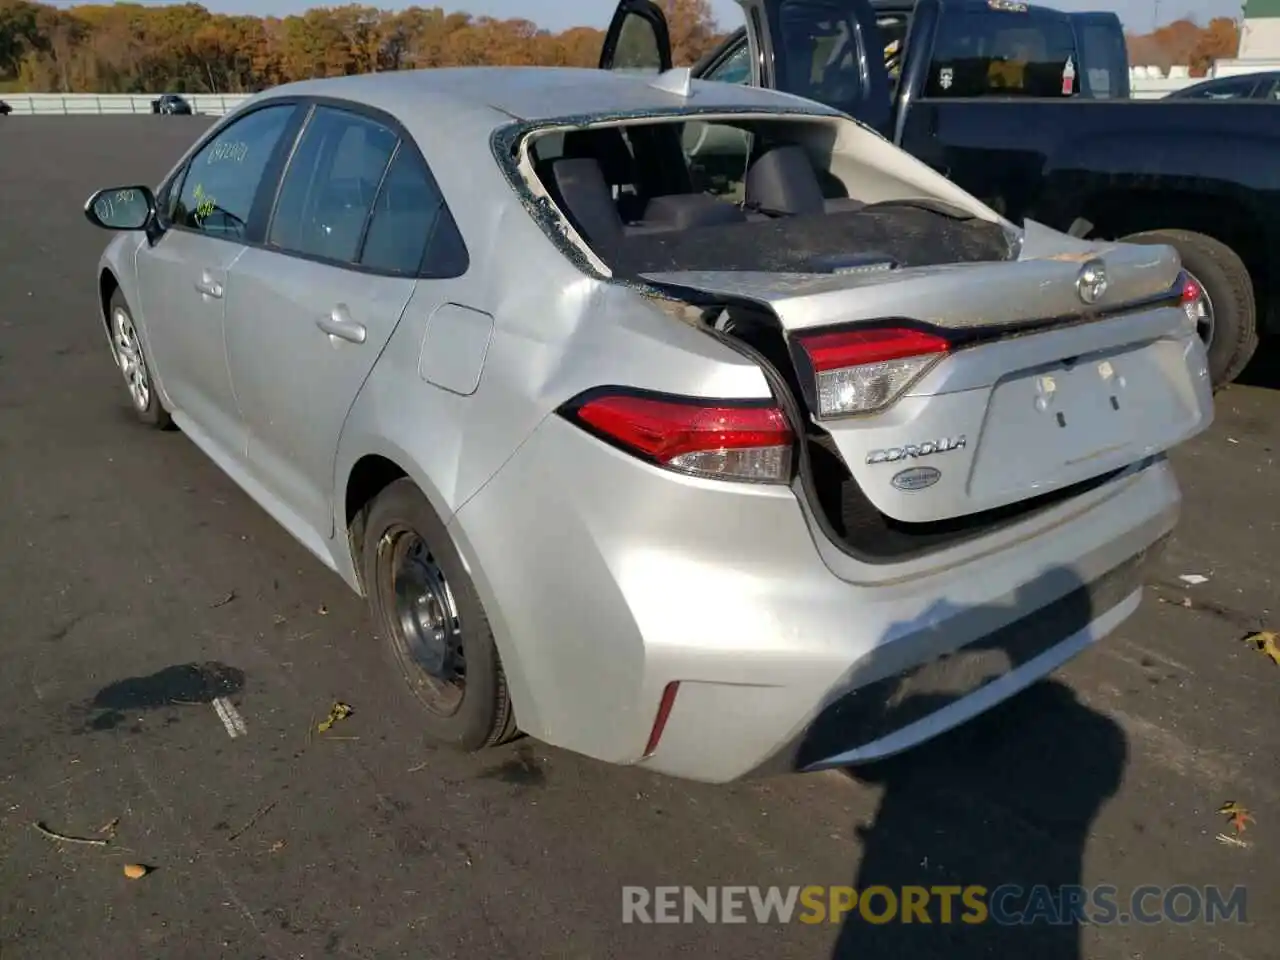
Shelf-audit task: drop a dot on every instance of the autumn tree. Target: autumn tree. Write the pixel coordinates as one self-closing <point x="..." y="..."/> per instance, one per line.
<point x="692" y="27"/>
<point x="183" y="47"/>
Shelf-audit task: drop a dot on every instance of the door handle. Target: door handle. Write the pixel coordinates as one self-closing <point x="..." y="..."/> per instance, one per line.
<point x="209" y="288"/>
<point x="339" y="324"/>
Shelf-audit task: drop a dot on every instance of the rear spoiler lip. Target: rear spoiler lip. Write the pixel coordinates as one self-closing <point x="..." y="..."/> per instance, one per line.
<point x="958" y="337"/>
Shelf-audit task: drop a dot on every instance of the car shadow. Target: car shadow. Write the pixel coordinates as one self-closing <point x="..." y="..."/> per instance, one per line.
<point x="1006" y="800"/>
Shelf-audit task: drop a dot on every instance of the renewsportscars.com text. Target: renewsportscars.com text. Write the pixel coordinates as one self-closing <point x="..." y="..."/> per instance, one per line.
<point x="1006" y="905"/>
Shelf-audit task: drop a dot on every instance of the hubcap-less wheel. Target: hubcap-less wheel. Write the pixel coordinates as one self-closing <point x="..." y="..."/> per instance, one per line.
<point x="129" y="356"/>
<point x="1200" y="311"/>
<point x="426" y="629"/>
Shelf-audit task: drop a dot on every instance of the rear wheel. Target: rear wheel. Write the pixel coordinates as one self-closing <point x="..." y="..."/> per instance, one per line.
<point x="126" y="347"/>
<point x="433" y="628"/>
<point x="1226" y="313"/>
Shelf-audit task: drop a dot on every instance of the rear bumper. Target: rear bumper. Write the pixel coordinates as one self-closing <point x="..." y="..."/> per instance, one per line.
<point x="606" y="580"/>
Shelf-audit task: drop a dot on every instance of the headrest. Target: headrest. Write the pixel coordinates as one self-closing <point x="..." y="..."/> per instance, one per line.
<point x="607" y="147"/>
<point x="584" y="197"/>
<point x="783" y="180"/>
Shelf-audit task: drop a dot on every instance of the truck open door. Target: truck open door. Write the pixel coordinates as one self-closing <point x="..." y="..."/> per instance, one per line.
<point x="824" y="50"/>
<point x="638" y="40"/>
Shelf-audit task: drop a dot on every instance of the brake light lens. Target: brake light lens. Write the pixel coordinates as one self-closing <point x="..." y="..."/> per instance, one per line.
<point x="1192" y="298"/>
<point x="862" y="371"/>
<point x="698" y="437"/>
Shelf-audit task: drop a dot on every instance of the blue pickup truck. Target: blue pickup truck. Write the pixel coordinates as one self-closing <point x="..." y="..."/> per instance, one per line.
<point x="1028" y="108"/>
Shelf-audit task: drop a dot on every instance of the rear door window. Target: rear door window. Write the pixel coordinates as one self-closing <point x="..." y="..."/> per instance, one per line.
<point x="1004" y="50"/>
<point x="329" y="188"/>
<point x="735" y="68"/>
<point x="820" y="54"/>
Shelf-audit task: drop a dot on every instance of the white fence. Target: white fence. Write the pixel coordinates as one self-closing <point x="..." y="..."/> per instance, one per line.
<point x="216" y="104"/>
<point x="55" y="104"/>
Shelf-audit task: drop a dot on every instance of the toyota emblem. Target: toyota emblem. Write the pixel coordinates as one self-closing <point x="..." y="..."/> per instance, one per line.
<point x="1091" y="284"/>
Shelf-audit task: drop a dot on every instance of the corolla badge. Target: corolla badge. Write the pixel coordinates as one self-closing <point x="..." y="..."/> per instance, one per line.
<point x="911" y="451"/>
<point x="916" y="478"/>
<point x="1091" y="282"/>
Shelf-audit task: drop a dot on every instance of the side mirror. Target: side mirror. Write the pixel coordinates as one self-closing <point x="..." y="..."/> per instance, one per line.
<point x="121" y="208"/>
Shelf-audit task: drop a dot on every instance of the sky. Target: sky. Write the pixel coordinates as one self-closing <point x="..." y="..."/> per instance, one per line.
<point x="1139" y="16"/>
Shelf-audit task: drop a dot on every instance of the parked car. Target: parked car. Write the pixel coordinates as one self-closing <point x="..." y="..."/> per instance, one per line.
<point x="1264" y="86"/>
<point x="992" y="94"/>
<point x="711" y="469"/>
<point x="171" y="103"/>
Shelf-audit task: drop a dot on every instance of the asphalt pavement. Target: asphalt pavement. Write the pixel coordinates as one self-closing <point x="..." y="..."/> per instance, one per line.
<point x="139" y="587"/>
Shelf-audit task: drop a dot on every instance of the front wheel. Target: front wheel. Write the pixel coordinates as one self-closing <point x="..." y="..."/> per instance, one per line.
<point x="434" y="631"/>
<point x="1226" y="314"/>
<point x="126" y="347"/>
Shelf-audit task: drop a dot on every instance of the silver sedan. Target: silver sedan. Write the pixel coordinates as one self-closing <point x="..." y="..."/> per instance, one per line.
<point x="680" y="424"/>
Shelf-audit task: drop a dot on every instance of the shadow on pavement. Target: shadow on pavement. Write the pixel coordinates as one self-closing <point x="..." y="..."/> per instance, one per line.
<point x="1005" y="802"/>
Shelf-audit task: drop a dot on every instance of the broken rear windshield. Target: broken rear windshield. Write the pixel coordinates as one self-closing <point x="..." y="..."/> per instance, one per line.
<point x="771" y="195"/>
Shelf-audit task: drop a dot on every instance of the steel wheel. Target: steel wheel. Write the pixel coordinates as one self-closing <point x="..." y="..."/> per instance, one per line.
<point x="128" y="350"/>
<point x="1200" y="311"/>
<point x="424" y="621"/>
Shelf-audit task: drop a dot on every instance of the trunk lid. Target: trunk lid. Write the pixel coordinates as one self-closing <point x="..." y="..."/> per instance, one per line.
<point x="1039" y="391"/>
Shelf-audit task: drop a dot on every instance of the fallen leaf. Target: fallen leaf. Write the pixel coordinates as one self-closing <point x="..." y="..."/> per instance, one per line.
<point x="1268" y="642"/>
<point x="1232" y="841"/>
<point x="135" y="871"/>
<point x="277" y="846"/>
<point x="223" y="602"/>
<point x="110" y="827"/>
<point x="323" y="611"/>
<point x="1236" y="815"/>
<point x="339" y="711"/>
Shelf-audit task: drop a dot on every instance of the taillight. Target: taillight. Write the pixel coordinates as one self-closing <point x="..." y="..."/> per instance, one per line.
<point x="721" y="439"/>
<point x="1192" y="297"/>
<point x="861" y="371"/>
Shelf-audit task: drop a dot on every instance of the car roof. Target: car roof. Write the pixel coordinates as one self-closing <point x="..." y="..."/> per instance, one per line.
<point x="537" y="94"/>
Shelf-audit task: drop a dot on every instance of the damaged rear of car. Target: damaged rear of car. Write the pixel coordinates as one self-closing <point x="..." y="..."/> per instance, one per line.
<point x="949" y="488"/>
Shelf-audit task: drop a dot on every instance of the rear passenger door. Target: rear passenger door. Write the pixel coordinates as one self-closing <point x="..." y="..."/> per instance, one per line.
<point x="357" y="221"/>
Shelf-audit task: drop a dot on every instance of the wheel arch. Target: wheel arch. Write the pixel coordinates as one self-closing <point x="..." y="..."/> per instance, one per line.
<point x="108" y="284"/>
<point x="367" y="475"/>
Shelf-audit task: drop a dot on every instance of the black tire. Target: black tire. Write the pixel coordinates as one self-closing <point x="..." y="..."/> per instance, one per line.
<point x="1225" y="278"/>
<point x="153" y="412"/>
<point x="483" y="716"/>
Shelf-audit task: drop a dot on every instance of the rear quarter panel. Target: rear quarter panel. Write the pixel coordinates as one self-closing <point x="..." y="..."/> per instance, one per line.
<point x="555" y="333"/>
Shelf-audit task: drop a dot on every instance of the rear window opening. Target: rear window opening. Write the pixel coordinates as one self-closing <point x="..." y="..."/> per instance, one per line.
<point x="776" y="194"/>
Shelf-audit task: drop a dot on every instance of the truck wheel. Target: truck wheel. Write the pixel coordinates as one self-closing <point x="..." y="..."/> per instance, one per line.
<point x="434" y="630"/>
<point x="1228" y="315"/>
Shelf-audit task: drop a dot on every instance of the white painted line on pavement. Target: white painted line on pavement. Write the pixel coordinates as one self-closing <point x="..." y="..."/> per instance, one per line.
<point x="230" y="717"/>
